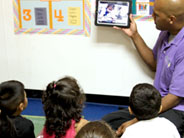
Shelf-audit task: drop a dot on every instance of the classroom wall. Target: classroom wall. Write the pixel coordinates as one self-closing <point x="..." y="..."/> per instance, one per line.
<point x="105" y="63"/>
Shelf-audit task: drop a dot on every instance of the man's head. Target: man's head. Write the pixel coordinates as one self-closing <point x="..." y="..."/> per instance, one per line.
<point x="169" y="15"/>
<point x="145" y="101"/>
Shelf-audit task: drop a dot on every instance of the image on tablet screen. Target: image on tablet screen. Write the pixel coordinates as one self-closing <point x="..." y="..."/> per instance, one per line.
<point x="113" y="13"/>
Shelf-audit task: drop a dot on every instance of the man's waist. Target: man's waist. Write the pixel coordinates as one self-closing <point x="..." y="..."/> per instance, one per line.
<point x="180" y="106"/>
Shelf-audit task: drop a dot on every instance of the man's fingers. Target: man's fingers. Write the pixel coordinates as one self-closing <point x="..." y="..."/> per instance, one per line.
<point x="131" y="18"/>
<point x="119" y="131"/>
<point x="115" y="27"/>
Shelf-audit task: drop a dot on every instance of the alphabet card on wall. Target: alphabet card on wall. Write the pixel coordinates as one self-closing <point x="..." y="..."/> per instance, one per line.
<point x="143" y="9"/>
<point x="72" y="17"/>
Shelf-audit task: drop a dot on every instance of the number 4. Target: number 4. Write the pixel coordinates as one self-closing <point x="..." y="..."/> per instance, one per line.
<point x="60" y="16"/>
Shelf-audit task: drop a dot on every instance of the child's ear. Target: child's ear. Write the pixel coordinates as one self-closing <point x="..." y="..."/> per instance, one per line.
<point x="160" y="109"/>
<point x="21" y="106"/>
<point x="130" y="110"/>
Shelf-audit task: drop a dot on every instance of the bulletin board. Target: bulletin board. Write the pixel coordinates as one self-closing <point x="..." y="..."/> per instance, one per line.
<point x="52" y="17"/>
<point x="71" y="17"/>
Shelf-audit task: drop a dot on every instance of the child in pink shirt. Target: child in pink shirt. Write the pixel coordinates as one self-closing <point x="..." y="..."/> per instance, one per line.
<point x="63" y="102"/>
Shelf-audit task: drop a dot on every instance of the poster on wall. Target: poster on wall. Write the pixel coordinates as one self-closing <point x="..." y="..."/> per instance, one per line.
<point x="142" y="9"/>
<point x="52" y="17"/>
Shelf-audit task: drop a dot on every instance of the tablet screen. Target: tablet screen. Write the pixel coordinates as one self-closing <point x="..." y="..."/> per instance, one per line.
<point x="113" y="12"/>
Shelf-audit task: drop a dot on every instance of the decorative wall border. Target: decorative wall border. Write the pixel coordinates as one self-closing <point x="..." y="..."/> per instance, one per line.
<point x="143" y="18"/>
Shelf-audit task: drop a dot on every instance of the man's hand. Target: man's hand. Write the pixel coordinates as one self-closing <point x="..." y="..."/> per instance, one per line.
<point x="123" y="127"/>
<point x="144" y="51"/>
<point x="129" y="31"/>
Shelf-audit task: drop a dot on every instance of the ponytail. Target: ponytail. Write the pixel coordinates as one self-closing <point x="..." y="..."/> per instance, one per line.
<point x="7" y="129"/>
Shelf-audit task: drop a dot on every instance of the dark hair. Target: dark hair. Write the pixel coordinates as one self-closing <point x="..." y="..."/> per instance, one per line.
<point x="145" y="101"/>
<point x="96" y="129"/>
<point x="11" y="95"/>
<point x="111" y="5"/>
<point x="62" y="101"/>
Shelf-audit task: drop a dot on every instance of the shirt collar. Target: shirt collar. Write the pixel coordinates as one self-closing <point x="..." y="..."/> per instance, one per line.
<point x="178" y="37"/>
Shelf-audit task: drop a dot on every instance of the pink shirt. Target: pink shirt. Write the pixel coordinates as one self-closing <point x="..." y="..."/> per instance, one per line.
<point x="70" y="133"/>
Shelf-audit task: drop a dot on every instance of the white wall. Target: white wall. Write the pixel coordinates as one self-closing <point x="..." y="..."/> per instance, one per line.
<point x="105" y="63"/>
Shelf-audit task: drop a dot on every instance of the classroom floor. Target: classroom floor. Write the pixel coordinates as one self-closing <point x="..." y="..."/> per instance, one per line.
<point x="92" y="111"/>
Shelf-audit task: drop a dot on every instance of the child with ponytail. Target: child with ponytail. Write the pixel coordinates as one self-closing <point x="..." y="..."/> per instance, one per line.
<point x="63" y="103"/>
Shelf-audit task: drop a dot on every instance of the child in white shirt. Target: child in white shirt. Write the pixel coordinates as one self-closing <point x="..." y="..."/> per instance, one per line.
<point x="145" y="104"/>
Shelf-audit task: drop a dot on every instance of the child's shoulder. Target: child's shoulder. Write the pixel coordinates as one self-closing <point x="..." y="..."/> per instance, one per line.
<point x="24" y="127"/>
<point x="21" y="120"/>
<point x="165" y="121"/>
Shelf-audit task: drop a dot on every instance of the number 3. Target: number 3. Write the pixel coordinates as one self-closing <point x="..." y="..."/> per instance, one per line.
<point x="27" y="16"/>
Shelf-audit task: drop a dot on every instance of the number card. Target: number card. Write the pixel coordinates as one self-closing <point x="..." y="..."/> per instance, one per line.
<point x="52" y="17"/>
<point x="143" y="9"/>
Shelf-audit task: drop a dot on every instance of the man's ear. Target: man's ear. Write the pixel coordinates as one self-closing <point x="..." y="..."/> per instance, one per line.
<point x="130" y="110"/>
<point x="160" y="109"/>
<point x="172" y="19"/>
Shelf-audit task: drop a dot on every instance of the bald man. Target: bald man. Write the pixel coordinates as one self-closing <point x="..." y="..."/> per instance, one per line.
<point x="166" y="58"/>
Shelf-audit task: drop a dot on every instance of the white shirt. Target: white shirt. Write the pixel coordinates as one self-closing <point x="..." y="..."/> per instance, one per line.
<point x="158" y="127"/>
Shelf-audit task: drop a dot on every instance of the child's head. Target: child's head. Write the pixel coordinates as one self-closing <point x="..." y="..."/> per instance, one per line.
<point x="145" y="101"/>
<point x="63" y="101"/>
<point x="110" y="6"/>
<point x="96" y="129"/>
<point x="13" y="101"/>
<point x="12" y="96"/>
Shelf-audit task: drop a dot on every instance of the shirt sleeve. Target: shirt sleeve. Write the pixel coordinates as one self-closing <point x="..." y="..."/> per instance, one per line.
<point x="158" y="44"/>
<point x="177" y="82"/>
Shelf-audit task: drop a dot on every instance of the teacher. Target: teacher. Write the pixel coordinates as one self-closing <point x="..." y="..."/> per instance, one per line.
<point x="166" y="59"/>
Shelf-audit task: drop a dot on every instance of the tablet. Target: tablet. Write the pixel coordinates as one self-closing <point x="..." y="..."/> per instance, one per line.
<point x="113" y="13"/>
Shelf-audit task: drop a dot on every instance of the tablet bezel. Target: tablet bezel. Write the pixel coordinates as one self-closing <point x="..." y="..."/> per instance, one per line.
<point x="113" y="24"/>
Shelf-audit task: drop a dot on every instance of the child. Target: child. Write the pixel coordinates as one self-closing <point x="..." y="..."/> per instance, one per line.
<point x="13" y="101"/>
<point x="96" y="129"/>
<point x="63" y="102"/>
<point x="145" y="104"/>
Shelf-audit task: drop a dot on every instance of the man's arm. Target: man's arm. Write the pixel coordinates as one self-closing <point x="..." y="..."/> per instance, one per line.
<point x="144" y="51"/>
<point x="123" y="126"/>
<point x="170" y="101"/>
